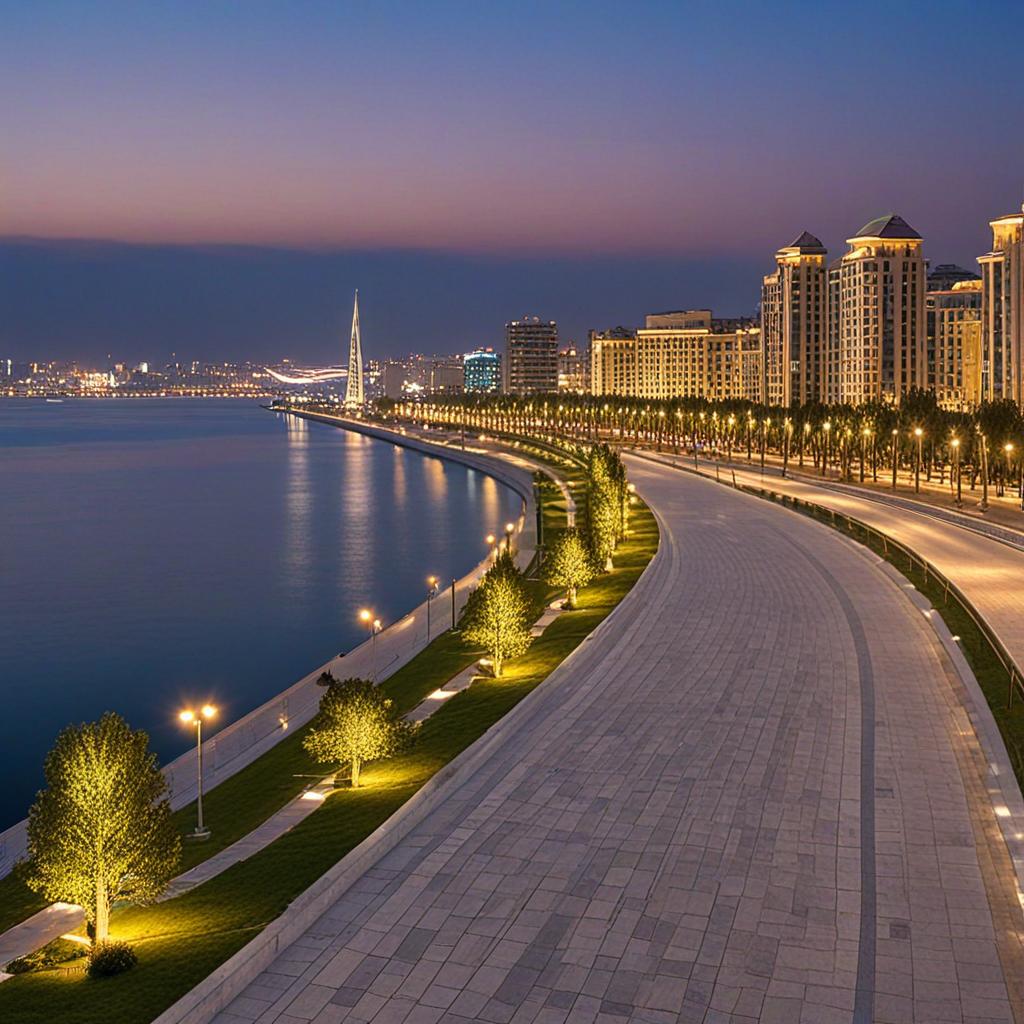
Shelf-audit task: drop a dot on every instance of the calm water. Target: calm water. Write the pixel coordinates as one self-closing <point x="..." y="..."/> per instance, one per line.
<point x="165" y="552"/>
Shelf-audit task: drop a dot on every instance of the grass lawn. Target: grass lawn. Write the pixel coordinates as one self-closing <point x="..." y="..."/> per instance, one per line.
<point x="183" y="940"/>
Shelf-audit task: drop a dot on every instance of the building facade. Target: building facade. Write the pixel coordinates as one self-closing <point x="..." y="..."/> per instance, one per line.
<point x="953" y="318"/>
<point x="531" y="356"/>
<point x="794" y="324"/>
<point x="481" y="371"/>
<point x="1002" y="315"/>
<point x="722" y="360"/>
<point x="881" y="327"/>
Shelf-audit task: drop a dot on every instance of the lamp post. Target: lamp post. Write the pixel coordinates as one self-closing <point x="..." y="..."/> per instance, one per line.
<point x="956" y="469"/>
<point x="190" y="717"/>
<point x="728" y="438"/>
<point x="431" y="592"/>
<point x="895" y="455"/>
<point x="787" y="434"/>
<point x="373" y="625"/>
<point x="510" y="528"/>
<point x="864" y="435"/>
<point x="983" y="506"/>
<point x="1008" y="449"/>
<point x="453" y="604"/>
<point x="919" y="434"/>
<point x="490" y="539"/>
<point x="827" y="427"/>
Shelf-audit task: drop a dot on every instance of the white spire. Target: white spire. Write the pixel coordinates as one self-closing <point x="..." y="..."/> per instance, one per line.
<point x="354" y="388"/>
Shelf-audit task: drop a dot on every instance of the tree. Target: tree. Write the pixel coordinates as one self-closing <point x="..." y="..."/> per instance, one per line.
<point x="497" y="614"/>
<point x="102" y="831"/>
<point x="569" y="564"/>
<point x="356" y="723"/>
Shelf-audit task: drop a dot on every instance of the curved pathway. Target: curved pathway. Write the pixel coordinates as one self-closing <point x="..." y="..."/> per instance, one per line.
<point x="755" y="796"/>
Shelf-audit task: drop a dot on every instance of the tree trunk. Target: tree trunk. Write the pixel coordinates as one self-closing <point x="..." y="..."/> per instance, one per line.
<point x="102" y="923"/>
<point x="355" y="772"/>
<point x="496" y="665"/>
<point x="571" y="596"/>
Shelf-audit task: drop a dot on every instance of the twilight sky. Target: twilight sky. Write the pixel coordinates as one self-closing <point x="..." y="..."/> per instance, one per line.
<point x="464" y="163"/>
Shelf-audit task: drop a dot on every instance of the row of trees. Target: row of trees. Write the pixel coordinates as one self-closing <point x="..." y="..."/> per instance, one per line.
<point x="986" y="443"/>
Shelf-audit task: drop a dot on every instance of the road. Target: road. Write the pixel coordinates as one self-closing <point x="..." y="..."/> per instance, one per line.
<point x="751" y="797"/>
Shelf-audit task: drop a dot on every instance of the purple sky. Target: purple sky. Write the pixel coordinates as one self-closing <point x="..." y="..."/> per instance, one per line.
<point x="690" y="132"/>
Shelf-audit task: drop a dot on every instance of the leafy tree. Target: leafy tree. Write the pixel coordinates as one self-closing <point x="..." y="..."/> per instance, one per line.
<point x="569" y="564"/>
<point x="102" y="831"/>
<point x="356" y="723"/>
<point x="497" y="614"/>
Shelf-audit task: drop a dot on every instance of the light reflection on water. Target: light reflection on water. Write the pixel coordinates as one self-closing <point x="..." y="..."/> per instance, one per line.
<point x="157" y="552"/>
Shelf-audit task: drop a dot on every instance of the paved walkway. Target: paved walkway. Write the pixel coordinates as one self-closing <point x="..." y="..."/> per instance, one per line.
<point x="756" y="796"/>
<point x="989" y="570"/>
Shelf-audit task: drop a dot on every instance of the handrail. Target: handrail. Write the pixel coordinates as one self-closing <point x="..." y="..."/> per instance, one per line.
<point x="1010" y="666"/>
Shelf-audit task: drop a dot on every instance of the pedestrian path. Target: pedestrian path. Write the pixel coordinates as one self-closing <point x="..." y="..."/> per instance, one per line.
<point x="755" y="795"/>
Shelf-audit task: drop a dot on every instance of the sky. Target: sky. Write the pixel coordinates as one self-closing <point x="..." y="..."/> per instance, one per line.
<point x="217" y="178"/>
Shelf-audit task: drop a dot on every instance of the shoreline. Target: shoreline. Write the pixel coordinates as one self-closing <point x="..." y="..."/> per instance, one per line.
<point x="242" y="741"/>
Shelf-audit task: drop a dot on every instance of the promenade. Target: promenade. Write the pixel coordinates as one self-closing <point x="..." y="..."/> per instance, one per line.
<point x="754" y="795"/>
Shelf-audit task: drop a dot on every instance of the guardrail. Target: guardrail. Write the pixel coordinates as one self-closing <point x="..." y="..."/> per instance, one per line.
<point x="1014" y="674"/>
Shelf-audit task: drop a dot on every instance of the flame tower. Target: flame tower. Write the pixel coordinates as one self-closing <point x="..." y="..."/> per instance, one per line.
<point x="354" y="387"/>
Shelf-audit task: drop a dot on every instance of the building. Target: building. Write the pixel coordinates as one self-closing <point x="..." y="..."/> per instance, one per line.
<point x="446" y="375"/>
<point x="573" y="370"/>
<point x="613" y="361"/>
<point x="721" y="360"/>
<point x="531" y="356"/>
<point x="953" y="318"/>
<point x="794" y="323"/>
<point x="830" y="385"/>
<point x="943" y="277"/>
<point x="882" y="336"/>
<point x="681" y="319"/>
<point x="1002" y="313"/>
<point x="481" y="371"/>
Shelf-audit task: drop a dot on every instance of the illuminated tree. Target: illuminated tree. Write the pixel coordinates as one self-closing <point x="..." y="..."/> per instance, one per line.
<point x="497" y="614"/>
<point x="356" y="723"/>
<point x="569" y="564"/>
<point x="101" y="831"/>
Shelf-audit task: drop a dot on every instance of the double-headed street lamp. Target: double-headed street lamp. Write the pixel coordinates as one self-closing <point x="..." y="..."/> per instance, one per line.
<point x="431" y="593"/>
<point x="191" y="717"/>
<point x="373" y="625"/>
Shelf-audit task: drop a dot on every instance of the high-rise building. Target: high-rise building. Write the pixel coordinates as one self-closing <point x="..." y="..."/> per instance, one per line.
<point x="830" y="385"/>
<point x="573" y="371"/>
<point x="882" y="338"/>
<point x="354" y="393"/>
<point x="794" y="323"/>
<point x="531" y="356"/>
<point x="1002" y="314"/>
<point x="481" y="371"/>
<point x="954" y="342"/>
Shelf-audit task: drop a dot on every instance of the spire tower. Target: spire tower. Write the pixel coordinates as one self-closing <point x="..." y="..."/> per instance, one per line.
<point x="354" y="387"/>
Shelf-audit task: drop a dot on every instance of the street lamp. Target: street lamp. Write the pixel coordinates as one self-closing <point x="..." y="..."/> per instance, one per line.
<point x="827" y="427"/>
<point x="191" y="717"/>
<point x="431" y="592"/>
<point x="956" y="464"/>
<point x="919" y="434"/>
<point x="509" y="530"/>
<point x="490" y="539"/>
<point x="373" y="625"/>
<point x="864" y="435"/>
<point x="895" y="455"/>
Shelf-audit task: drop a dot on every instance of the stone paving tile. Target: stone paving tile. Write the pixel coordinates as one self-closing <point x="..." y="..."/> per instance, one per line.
<point x="673" y="831"/>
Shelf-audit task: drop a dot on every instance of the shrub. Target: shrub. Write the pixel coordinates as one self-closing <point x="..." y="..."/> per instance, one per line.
<point x="109" y="958"/>
<point x="59" y="951"/>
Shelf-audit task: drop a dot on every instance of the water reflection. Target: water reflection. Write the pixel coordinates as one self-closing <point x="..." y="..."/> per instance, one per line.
<point x="298" y="502"/>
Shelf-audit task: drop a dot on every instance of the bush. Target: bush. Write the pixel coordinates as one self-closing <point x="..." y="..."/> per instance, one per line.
<point x="109" y="958"/>
<point x="59" y="951"/>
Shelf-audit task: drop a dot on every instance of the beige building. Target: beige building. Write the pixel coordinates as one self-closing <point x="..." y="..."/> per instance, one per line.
<point x="1002" y="315"/>
<point x="573" y="370"/>
<point x="719" y="360"/>
<point x="882" y="337"/>
<point x="954" y="344"/>
<point x="794" y="323"/>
